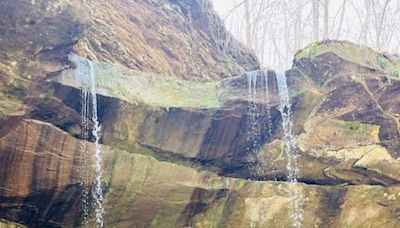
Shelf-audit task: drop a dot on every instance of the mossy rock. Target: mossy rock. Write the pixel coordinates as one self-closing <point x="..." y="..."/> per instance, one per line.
<point x="334" y="134"/>
<point x="141" y="87"/>
<point x="358" y="54"/>
<point x="9" y="105"/>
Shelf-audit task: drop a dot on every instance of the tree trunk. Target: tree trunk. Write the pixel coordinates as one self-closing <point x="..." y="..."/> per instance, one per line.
<point x="380" y="26"/>
<point x="247" y="21"/>
<point x="315" y="14"/>
<point x="339" y="31"/>
<point x="298" y="30"/>
<point x="326" y="19"/>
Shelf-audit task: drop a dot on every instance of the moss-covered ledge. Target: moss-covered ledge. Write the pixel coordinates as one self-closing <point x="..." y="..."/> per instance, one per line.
<point x="354" y="53"/>
<point x="142" y="87"/>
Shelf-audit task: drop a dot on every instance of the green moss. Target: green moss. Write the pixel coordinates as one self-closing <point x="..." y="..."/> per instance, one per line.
<point x="8" y="105"/>
<point x="395" y="73"/>
<point x="163" y="91"/>
<point x="383" y="63"/>
<point x="357" y="126"/>
<point x="355" y="53"/>
<point x="226" y="94"/>
<point x="149" y="88"/>
<point x="240" y="184"/>
<point x="310" y="51"/>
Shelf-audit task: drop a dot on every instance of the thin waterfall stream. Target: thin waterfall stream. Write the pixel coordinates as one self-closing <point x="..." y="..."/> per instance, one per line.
<point x="89" y="120"/>
<point x="85" y="154"/>
<point x="254" y="134"/>
<point x="253" y="131"/>
<point x="268" y="108"/>
<point x="97" y="190"/>
<point x="290" y="149"/>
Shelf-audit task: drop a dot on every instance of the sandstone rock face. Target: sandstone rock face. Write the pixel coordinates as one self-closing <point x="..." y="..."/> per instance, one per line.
<point x="174" y="109"/>
<point x="7" y="224"/>
<point x="181" y="38"/>
<point x="145" y="192"/>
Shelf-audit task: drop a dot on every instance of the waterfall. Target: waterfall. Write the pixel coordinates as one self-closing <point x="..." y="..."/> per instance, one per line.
<point x="97" y="191"/>
<point x="85" y="155"/>
<point x="290" y="148"/>
<point x="253" y="131"/>
<point x="81" y="73"/>
<point x="85" y="71"/>
<point x="268" y="108"/>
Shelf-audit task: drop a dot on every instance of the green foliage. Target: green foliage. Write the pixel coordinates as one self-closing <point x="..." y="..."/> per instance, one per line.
<point x="357" y="126"/>
<point x="241" y="183"/>
<point x="150" y="88"/>
<point x="8" y="105"/>
<point x="395" y="73"/>
<point x="358" y="54"/>
<point x="153" y="89"/>
<point x="354" y="126"/>
<point x="383" y="63"/>
<point x="311" y="51"/>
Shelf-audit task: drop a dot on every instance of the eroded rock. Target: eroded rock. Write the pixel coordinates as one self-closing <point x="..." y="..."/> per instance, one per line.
<point x="173" y="104"/>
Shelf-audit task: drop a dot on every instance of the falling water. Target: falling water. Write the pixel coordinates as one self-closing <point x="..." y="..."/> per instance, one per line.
<point x="85" y="156"/>
<point x="81" y="73"/>
<point x="97" y="190"/>
<point x="253" y="136"/>
<point x="290" y="148"/>
<point x="268" y="108"/>
<point x="85" y="71"/>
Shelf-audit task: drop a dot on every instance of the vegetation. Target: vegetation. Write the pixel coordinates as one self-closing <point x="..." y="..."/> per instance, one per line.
<point x="351" y="52"/>
<point x="158" y="90"/>
<point x="8" y="105"/>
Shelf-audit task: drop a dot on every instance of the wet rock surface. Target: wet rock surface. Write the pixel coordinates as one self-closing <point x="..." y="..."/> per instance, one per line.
<point x="175" y="141"/>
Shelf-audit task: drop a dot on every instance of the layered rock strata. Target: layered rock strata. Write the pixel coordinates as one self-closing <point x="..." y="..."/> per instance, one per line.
<point x="173" y="105"/>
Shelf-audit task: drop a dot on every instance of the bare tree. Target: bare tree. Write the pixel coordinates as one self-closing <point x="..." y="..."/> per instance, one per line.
<point x="343" y="10"/>
<point x="326" y="19"/>
<point x="315" y="13"/>
<point x="298" y="25"/>
<point x="276" y="29"/>
<point x="380" y="25"/>
<point x="247" y="21"/>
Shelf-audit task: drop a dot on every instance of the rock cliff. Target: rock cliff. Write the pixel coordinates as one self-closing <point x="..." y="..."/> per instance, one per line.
<point x="174" y="109"/>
